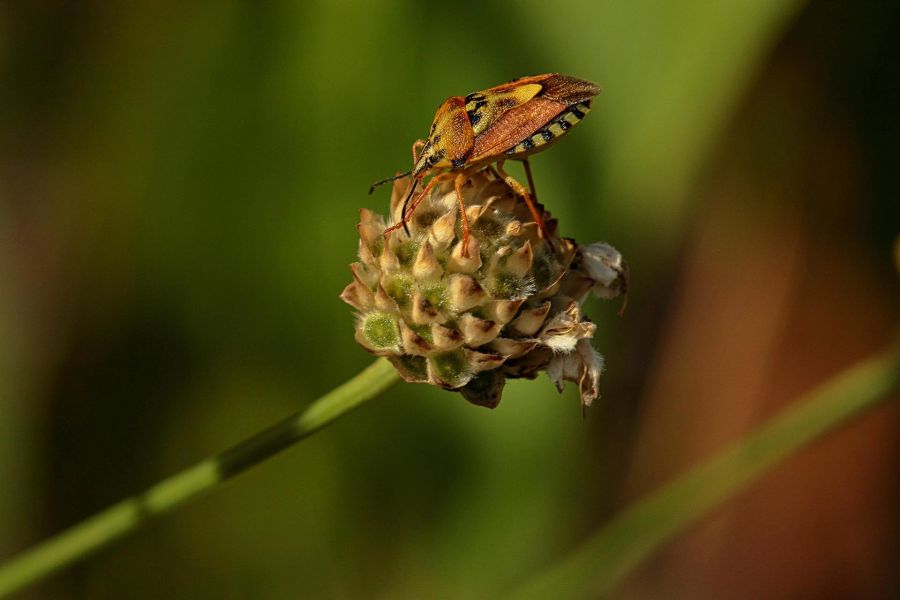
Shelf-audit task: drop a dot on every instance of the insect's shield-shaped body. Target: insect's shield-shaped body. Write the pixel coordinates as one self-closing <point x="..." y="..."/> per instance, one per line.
<point x="483" y="129"/>
<point x="507" y="121"/>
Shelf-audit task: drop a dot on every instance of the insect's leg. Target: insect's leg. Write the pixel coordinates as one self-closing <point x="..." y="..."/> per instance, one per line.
<point x="520" y="190"/>
<point x="416" y="148"/>
<point x="410" y="206"/>
<point x="403" y="212"/>
<point x="527" y="164"/>
<point x="458" y="183"/>
<point x="409" y="194"/>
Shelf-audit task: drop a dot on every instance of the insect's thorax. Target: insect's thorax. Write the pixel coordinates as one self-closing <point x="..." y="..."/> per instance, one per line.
<point x="450" y="140"/>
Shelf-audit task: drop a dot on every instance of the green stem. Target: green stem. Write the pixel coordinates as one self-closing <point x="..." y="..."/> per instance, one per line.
<point x="92" y="534"/>
<point x="600" y="563"/>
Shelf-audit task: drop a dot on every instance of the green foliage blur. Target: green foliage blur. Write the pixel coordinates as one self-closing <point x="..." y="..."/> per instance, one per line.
<point x="179" y="188"/>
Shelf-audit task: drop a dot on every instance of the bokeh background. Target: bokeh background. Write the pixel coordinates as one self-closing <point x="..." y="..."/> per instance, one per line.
<point x="179" y="185"/>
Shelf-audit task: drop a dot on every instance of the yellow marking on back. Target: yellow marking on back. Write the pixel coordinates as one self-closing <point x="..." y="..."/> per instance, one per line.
<point x="524" y="93"/>
<point x="539" y="140"/>
<point x="485" y="108"/>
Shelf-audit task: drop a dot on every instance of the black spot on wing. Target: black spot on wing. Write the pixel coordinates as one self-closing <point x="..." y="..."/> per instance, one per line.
<point x="575" y="111"/>
<point x="546" y="134"/>
<point x="475" y="112"/>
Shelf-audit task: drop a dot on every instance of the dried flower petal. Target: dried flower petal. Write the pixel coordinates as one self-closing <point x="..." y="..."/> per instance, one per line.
<point x="583" y="366"/>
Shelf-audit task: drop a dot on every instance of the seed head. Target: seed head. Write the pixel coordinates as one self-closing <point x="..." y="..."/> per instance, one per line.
<point x="510" y="307"/>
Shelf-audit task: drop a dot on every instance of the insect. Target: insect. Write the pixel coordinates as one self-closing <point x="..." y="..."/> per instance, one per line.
<point x="509" y="121"/>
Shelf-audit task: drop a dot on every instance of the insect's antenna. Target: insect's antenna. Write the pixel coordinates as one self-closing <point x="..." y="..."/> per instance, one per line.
<point x="389" y="179"/>
<point x="409" y="195"/>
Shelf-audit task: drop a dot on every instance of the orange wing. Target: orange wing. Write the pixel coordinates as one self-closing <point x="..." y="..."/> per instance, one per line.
<point x="514" y="126"/>
<point x="504" y="115"/>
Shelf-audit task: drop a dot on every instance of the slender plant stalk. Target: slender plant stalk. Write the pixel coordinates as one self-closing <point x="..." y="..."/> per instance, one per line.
<point x="593" y="569"/>
<point x="600" y="563"/>
<point x="114" y="523"/>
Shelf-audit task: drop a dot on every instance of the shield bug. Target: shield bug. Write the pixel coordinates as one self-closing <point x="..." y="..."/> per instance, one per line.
<point x="509" y="121"/>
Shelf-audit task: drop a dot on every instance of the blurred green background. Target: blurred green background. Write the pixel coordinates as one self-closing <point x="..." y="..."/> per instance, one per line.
<point x="179" y="186"/>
